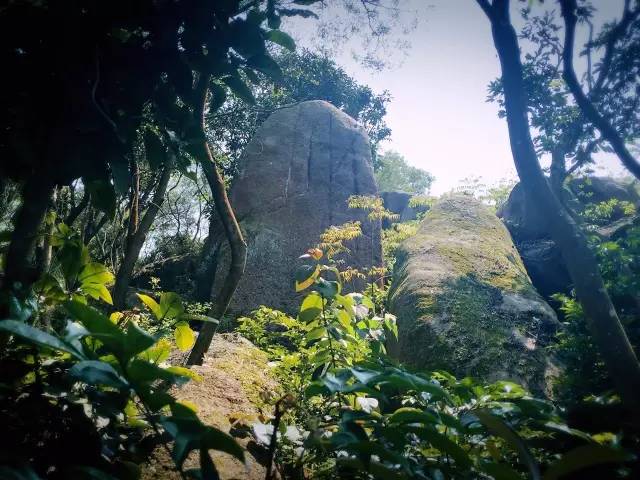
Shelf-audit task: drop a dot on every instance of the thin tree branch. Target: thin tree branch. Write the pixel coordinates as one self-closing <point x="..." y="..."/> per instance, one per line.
<point x="607" y="130"/>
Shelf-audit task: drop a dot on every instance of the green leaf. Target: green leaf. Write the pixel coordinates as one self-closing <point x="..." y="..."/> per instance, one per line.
<point x="137" y="340"/>
<point x="94" y="372"/>
<point x="282" y="39"/>
<point x="184" y="372"/>
<point x="170" y="305"/>
<point x="94" y="278"/>
<point x="186" y="432"/>
<point x="151" y="305"/>
<point x="158" y="353"/>
<point x="99" y="326"/>
<point x="239" y="88"/>
<point x="584" y="457"/>
<point x="316" y="333"/>
<point x="311" y="307"/>
<point x="345" y="321"/>
<point x="144" y="372"/>
<point x="95" y="273"/>
<point x="347" y="303"/>
<point x="156" y="153"/>
<point x="328" y="289"/>
<point x="155" y="400"/>
<point x="185" y="338"/>
<point x="412" y="415"/>
<point x="306" y="275"/>
<point x="214" y="439"/>
<point x="121" y="175"/>
<point x="38" y="337"/>
<point x="199" y="318"/>
<point x="558" y="427"/>
<point x="267" y="65"/>
<point x="444" y="444"/>
<point x="499" y="427"/>
<point x="103" y="195"/>
<point x="98" y="292"/>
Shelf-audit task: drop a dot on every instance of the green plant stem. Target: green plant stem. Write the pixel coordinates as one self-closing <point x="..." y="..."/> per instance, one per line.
<point x="273" y="444"/>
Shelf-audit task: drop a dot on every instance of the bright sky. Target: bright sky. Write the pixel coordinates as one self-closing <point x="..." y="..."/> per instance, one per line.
<point x="438" y="115"/>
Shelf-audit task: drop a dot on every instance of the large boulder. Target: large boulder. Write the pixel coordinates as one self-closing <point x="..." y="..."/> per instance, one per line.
<point x="530" y="231"/>
<point x="540" y="255"/>
<point x="295" y="177"/>
<point x="464" y="302"/>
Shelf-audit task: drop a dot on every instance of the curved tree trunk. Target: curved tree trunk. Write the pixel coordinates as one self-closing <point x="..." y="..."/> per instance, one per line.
<point x="208" y="263"/>
<point x="36" y="198"/>
<point x="586" y="106"/>
<point x="46" y="249"/>
<point x="136" y="240"/>
<point x="600" y="313"/>
<point x="237" y="245"/>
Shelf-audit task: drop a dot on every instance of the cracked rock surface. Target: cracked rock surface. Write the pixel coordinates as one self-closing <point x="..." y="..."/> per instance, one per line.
<point x="295" y="177"/>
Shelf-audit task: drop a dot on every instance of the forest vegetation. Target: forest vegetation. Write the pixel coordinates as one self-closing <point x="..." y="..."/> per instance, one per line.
<point x="129" y="133"/>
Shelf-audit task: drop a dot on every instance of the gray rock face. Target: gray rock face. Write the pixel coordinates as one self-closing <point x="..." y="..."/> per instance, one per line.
<point x="530" y="233"/>
<point x="398" y="203"/>
<point x="464" y="302"/>
<point x="295" y="177"/>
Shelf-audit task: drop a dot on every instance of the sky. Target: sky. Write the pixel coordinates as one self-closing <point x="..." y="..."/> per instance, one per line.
<point x="438" y="114"/>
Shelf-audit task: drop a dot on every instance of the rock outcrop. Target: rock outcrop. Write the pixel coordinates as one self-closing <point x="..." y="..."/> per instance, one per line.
<point x="295" y="177"/>
<point x="399" y="203"/>
<point x="464" y="302"/>
<point x="236" y="390"/>
<point x="540" y="255"/>
<point x="530" y="232"/>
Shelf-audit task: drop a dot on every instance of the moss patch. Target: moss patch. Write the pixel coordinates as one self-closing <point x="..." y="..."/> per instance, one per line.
<point x="464" y="301"/>
<point x="237" y="384"/>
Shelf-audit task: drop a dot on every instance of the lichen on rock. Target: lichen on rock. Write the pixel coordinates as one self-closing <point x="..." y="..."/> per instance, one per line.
<point x="464" y="301"/>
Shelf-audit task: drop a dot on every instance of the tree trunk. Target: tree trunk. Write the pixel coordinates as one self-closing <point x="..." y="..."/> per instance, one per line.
<point x="77" y="210"/>
<point x="47" y="248"/>
<point x="599" y="311"/>
<point x="136" y="240"/>
<point x="208" y="262"/>
<point x="237" y="245"/>
<point x="36" y="197"/>
<point x="586" y="106"/>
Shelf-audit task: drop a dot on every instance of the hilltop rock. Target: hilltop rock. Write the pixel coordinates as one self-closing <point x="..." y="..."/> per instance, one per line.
<point x="295" y="177"/>
<point x="464" y="301"/>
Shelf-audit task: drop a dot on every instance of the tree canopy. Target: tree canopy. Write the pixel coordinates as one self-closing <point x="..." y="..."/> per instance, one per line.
<point x="394" y="173"/>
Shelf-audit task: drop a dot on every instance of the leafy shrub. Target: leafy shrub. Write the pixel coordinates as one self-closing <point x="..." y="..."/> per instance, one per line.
<point x="358" y="414"/>
<point x="619" y="260"/>
<point x="90" y="399"/>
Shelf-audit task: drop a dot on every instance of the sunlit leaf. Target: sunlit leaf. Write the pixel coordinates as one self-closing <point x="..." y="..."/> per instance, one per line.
<point x="151" y="304"/>
<point x="185" y="338"/>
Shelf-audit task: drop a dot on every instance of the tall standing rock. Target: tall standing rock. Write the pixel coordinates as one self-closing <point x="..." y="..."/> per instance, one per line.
<point x="295" y="177"/>
<point x="464" y="301"/>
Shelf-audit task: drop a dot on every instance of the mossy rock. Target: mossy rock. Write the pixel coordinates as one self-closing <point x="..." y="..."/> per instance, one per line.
<point x="464" y="301"/>
<point x="237" y="389"/>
